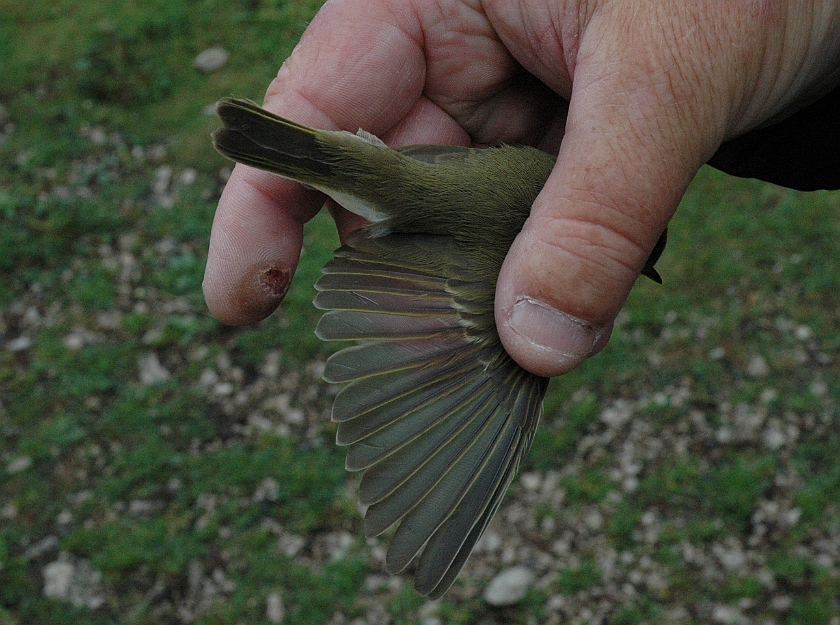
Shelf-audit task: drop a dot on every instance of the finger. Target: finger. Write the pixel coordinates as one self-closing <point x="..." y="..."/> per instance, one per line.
<point x="630" y="150"/>
<point x="254" y="246"/>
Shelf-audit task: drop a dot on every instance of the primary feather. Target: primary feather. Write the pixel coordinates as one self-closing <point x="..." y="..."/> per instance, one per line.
<point x="437" y="416"/>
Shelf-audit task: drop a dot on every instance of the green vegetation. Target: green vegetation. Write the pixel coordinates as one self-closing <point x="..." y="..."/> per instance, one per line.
<point x="581" y="577"/>
<point x="192" y="465"/>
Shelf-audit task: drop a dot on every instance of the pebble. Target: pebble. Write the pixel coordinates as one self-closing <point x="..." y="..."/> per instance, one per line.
<point x="730" y="556"/>
<point x="727" y="615"/>
<point x="19" y="344"/>
<point x="338" y="544"/>
<point x="151" y="371"/>
<point x="73" y="581"/>
<point x="758" y="367"/>
<point x="509" y="586"/>
<point x="593" y="519"/>
<point x="211" y="59"/>
<point x="21" y="463"/>
<point x="617" y="414"/>
<point x="490" y="542"/>
<point x="267" y="490"/>
<point x="773" y="438"/>
<point x="275" y="612"/>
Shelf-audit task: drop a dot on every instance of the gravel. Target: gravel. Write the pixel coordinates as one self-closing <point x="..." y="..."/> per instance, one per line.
<point x="539" y="534"/>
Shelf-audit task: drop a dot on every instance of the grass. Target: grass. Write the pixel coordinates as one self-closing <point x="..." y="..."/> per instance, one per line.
<point x="196" y="496"/>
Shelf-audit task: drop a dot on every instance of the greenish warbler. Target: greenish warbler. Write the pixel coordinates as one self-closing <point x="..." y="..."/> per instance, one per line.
<point x="436" y="415"/>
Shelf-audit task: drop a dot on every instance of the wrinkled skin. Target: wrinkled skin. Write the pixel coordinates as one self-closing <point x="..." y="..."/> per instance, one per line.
<point x="646" y="90"/>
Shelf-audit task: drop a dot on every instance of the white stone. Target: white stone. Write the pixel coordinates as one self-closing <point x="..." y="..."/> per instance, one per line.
<point x="428" y="613"/>
<point x="20" y="344"/>
<point x="773" y="438"/>
<point x="530" y="481"/>
<point x="274" y="610"/>
<point x="509" y="586"/>
<point x="490" y="542"/>
<point x="291" y="544"/>
<point x="727" y="615"/>
<point x="724" y="435"/>
<point x="208" y="378"/>
<point x="617" y="414"/>
<point x="758" y="367"/>
<point x="818" y="388"/>
<point x="187" y="177"/>
<point x="593" y="519"/>
<point x="768" y="395"/>
<point x="267" y="490"/>
<point x="58" y="576"/>
<point x="74" y="341"/>
<point x="211" y="59"/>
<point x="223" y="389"/>
<point x="339" y="544"/>
<point x="793" y="515"/>
<point x="160" y="185"/>
<point x="730" y="556"/>
<point x="48" y="543"/>
<point x="21" y="463"/>
<point x="151" y="371"/>
<point x="75" y="582"/>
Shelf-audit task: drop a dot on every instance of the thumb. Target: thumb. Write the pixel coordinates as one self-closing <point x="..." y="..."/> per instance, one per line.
<point x="624" y="164"/>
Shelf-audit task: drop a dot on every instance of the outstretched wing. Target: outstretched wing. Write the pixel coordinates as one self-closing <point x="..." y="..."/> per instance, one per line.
<point x="436" y="415"/>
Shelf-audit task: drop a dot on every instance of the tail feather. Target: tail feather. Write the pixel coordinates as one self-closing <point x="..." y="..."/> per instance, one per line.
<point x="255" y="137"/>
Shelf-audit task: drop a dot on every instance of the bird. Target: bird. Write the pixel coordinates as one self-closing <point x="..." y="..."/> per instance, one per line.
<point x="436" y="416"/>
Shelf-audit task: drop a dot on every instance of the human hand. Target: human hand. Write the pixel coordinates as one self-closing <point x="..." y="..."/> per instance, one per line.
<point x="653" y="90"/>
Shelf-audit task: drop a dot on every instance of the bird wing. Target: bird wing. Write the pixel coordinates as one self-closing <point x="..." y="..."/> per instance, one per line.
<point x="436" y="415"/>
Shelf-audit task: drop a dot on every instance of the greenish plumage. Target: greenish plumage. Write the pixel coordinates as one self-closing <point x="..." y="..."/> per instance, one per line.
<point x="436" y="415"/>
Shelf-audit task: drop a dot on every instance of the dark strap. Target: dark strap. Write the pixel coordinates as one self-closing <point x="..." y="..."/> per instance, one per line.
<point x="802" y="152"/>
